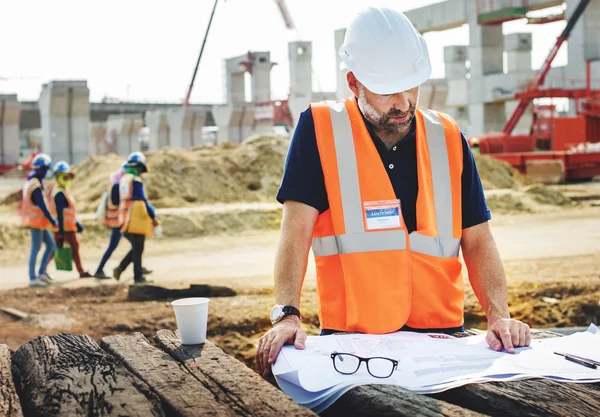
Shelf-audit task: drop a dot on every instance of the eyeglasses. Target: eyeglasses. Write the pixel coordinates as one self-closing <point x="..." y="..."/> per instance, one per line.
<point x="347" y="364"/>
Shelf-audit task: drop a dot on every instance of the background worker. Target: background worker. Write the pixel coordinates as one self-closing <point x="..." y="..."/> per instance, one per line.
<point x="387" y="194"/>
<point x="37" y="218"/>
<point x="136" y="215"/>
<point x="62" y="206"/>
<point x="111" y="221"/>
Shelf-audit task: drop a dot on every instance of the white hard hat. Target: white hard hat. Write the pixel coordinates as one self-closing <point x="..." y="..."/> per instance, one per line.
<point x="385" y="52"/>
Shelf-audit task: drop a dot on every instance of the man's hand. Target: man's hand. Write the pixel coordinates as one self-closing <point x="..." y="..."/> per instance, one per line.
<point x="155" y="223"/>
<point x="287" y="331"/>
<point x="508" y="333"/>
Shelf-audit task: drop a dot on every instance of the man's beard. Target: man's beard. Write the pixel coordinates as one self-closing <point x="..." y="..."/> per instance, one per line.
<point x="385" y="122"/>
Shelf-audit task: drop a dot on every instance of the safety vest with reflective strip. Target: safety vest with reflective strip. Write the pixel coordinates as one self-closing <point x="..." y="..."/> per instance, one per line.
<point x="125" y="200"/>
<point x="69" y="213"/>
<point x="111" y="213"/>
<point x="31" y="215"/>
<point x="378" y="280"/>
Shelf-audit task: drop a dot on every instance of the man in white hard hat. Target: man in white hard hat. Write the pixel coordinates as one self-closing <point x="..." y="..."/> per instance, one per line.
<point x="386" y="193"/>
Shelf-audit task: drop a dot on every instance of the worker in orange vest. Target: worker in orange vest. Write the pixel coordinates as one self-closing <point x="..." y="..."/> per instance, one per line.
<point x="136" y="216"/>
<point x="62" y="207"/>
<point x="37" y="218"/>
<point x="112" y="222"/>
<point x="386" y="193"/>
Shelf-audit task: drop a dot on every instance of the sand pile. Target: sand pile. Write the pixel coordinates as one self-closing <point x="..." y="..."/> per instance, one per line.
<point x="206" y="174"/>
<point x="496" y="174"/>
<point x="252" y="171"/>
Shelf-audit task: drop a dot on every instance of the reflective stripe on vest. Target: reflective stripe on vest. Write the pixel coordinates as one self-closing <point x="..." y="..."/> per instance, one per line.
<point x="356" y="239"/>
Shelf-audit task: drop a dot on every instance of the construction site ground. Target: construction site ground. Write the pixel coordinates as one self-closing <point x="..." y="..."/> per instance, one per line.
<point x="551" y="259"/>
<point x="550" y="246"/>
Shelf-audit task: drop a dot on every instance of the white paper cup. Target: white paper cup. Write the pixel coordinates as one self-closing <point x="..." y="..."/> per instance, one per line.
<point x="192" y="317"/>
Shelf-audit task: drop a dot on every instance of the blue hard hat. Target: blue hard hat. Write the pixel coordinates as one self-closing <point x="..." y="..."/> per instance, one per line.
<point x="41" y="161"/>
<point x="137" y="160"/>
<point x="63" y="167"/>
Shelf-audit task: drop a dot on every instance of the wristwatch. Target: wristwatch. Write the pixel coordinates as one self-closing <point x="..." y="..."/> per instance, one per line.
<point x="280" y="311"/>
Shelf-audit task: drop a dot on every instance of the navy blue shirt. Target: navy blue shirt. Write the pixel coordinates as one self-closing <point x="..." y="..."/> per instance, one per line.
<point x="303" y="179"/>
<point x="139" y="194"/>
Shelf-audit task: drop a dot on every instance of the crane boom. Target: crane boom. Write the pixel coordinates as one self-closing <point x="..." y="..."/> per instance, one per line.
<point x="285" y="13"/>
<point x="540" y="76"/>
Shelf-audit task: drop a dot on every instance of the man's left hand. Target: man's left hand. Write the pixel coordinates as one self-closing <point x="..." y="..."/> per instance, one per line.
<point x="508" y="334"/>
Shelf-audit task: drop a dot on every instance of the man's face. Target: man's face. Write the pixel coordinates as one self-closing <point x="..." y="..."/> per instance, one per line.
<point x="390" y="113"/>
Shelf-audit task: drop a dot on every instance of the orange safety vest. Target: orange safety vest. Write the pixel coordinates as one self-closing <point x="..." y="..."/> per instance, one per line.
<point x="372" y="275"/>
<point x="133" y="215"/>
<point x="31" y="215"/>
<point x="69" y="213"/>
<point x="111" y="214"/>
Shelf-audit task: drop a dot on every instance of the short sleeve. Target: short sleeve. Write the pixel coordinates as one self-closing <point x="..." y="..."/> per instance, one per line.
<point x="474" y="206"/>
<point x="303" y="179"/>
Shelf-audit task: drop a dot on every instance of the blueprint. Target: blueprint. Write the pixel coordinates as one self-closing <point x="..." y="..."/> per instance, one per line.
<point x="428" y="363"/>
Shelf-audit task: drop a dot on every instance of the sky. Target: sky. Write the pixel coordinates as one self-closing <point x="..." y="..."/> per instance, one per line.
<point x="145" y="50"/>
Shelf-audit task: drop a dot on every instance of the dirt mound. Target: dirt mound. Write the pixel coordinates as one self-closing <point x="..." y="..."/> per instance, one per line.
<point x="205" y="174"/>
<point x="496" y="174"/>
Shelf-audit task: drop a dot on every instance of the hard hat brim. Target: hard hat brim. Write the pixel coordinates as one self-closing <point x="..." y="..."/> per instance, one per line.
<point x="396" y="86"/>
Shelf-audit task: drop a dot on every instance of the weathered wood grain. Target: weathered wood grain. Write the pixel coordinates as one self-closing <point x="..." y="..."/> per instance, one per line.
<point x="391" y="401"/>
<point x="10" y="406"/>
<point x="230" y="381"/>
<point x="153" y="292"/>
<point x="69" y="375"/>
<point x="534" y="397"/>
<point x="180" y="392"/>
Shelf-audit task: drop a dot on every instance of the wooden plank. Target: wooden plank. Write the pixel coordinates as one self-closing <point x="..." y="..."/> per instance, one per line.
<point x="69" y="375"/>
<point x="10" y="406"/>
<point x="153" y="292"/>
<point x="230" y="381"/>
<point x="391" y="401"/>
<point x="534" y="397"/>
<point x="14" y="313"/>
<point x="167" y="377"/>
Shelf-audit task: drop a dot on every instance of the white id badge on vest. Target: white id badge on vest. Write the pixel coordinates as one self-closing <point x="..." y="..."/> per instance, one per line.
<point x="383" y="214"/>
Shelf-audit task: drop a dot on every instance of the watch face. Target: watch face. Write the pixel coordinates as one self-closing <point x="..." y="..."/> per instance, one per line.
<point x="276" y="312"/>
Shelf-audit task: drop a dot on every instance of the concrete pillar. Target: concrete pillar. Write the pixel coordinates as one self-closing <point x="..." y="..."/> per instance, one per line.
<point x="518" y="51"/>
<point x="124" y="130"/>
<point x="235" y="121"/>
<point x="185" y="126"/>
<point x="485" y="50"/>
<point x="584" y="42"/>
<point x="65" y="120"/>
<point x="342" y="90"/>
<point x="457" y="101"/>
<point x="261" y="76"/>
<point x="10" y="114"/>
<point x="99" y="144"/>
<point x="235" y="84"/>
<point x="434" y="94"/>
<point x="300" y="56"/>
<point x="159" y="135"/>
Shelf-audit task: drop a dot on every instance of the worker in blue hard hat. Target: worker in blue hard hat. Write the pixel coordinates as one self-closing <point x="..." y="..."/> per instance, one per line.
<point x="111" y="221"/>
<point x="62" y="207"/>
<point x="136" y="215"/>
<point x="37" y="218"/>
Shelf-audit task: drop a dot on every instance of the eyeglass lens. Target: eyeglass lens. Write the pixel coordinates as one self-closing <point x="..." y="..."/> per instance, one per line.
<point x="377" y="367"/>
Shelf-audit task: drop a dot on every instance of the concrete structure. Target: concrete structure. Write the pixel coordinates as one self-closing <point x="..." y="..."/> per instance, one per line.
<point x="185" y="126"/>
<point x="99" y="138"/>
<point x="235" y="121"/>
<point x="65" y="120"/>
<point x="300" y="56"/>
<point x="157" y="122"/>
<point x="10" y="112"/>
<point x="342" y="90"/>
<point x="489" y="89"/>
<point x="123" y="132"/>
